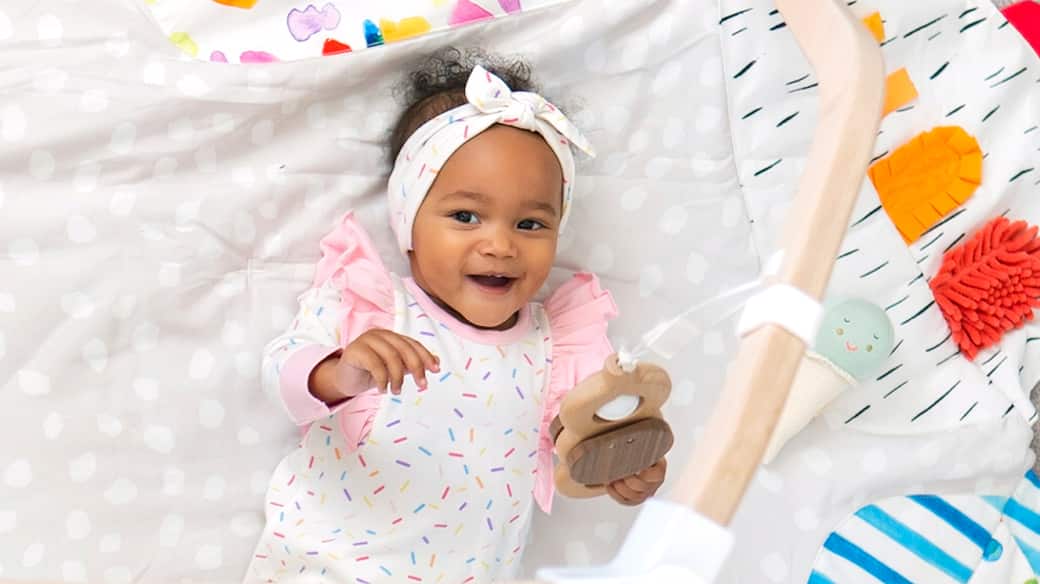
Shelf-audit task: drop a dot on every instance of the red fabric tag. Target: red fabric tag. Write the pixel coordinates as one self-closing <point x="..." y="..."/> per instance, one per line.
<point x="332" y="47"/>
<point x="1026" y="18"/>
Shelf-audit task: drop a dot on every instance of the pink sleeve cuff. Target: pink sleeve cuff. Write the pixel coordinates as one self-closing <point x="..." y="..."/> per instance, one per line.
<point x="301" y="405"/>
<point x="359" y="412"/>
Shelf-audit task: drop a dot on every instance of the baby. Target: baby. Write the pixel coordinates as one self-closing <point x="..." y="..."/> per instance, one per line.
<point x="426" y="401"/>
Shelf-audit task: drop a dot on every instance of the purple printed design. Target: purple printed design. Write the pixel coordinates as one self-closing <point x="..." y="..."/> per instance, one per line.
<point x="246" y="57"/>
<point x="303" y="24"/>
<point x="510" y="6"/>
<point x="257" y="57"/>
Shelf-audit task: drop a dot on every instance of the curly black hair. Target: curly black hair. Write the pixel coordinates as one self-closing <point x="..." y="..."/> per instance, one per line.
<point x="438" y="84"/>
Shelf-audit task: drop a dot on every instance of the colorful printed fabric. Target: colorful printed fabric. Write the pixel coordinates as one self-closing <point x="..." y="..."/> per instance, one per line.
<point x="490" y="102"/>
<point x="261" y="31"/>
<point x="929" y="420"/>
<point x="937" y="539"/>
<point x="926" y="384"/>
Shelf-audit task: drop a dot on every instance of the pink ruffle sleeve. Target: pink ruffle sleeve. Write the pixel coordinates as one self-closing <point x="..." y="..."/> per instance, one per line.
<point x="350" y="262"/>
<point x="578" y="314"/>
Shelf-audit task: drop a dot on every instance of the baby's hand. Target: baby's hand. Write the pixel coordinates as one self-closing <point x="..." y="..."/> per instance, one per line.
<point x="387" y="357"/>
<point x="634" y="489"/>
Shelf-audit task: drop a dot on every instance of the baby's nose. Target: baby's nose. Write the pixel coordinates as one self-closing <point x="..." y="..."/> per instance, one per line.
<point x="499" y="243"/>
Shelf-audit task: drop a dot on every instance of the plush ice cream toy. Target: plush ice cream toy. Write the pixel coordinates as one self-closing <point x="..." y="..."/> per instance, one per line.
<point x="854" y="339"/>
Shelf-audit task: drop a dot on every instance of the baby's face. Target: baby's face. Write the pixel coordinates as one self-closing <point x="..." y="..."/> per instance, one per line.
<point x="484" y="239"/>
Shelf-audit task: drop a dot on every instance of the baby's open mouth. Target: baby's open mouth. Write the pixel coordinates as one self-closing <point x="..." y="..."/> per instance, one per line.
<point x="493" y="280"/>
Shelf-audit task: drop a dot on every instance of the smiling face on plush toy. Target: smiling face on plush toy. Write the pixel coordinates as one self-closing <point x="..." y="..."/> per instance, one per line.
<point x="856" y="336"/>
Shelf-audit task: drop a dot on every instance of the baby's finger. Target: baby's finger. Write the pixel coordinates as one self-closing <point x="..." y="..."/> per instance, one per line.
<point x="411" y="359"/>
<point x="377" y="370"/>
<point x="655" y="474"/>
<point x="627" y="491"/>
<point x="430" y="361"/>
<point x="393" y="368"/>
<point x="368" y="362"/>
<point x="620" y="493"/>
<point x="367" y="353"/>
<point x="636" y="484"/>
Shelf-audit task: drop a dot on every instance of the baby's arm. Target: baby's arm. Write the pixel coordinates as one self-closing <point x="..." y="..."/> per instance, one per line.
<point x="312" y="376"/>
<point x="292" y="360"/>
<point x="380" y="358"/>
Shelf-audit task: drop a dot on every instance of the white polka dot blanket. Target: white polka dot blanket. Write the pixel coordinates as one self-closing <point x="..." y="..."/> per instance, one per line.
<point x="159" y="216"/>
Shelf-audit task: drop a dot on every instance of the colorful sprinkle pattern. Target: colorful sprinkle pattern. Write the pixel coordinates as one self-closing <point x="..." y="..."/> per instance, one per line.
<point x="291" y="31"/>
<point x="440" y="489"/>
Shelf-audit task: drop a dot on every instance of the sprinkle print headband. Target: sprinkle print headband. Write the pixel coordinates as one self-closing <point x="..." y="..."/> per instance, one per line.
<point x="490" y="102"/>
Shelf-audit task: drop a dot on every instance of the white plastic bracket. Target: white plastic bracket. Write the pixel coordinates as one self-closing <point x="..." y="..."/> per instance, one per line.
<point x="626" y="360"/>
<point x="784" y="306"/>
<point x="669" y="543"/>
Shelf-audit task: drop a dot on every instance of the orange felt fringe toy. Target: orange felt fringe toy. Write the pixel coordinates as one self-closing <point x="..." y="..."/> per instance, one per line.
<point x="990" y="284"/>
<point x="926" y="178"/>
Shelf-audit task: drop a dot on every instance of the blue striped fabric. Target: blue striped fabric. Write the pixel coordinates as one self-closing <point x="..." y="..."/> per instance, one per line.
<point x="844" y="548"/>
<point x="818" y="578"/>
<point x="955" y="518"/>
<point x="929" y="541"/>
<point x="916" y="543"/>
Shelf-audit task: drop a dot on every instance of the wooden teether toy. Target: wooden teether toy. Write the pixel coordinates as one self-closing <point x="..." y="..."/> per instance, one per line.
<point x="610" y="426"/>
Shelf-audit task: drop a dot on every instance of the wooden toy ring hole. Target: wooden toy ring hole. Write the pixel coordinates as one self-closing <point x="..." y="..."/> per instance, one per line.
<point x="619" y="408"/>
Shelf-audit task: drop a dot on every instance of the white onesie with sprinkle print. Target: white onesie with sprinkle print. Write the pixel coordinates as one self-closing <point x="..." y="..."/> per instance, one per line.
<point x="434" y="485"/>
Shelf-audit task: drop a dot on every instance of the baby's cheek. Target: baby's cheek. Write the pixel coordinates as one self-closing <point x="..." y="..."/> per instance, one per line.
<point x="533" y="284"/>
<point x="541" y="258"/>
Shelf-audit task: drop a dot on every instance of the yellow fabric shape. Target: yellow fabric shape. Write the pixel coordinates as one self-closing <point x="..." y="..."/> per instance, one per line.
<point x="404" y="28"/>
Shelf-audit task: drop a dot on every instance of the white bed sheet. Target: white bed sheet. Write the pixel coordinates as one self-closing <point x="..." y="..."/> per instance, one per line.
<point x="158" y="217"/>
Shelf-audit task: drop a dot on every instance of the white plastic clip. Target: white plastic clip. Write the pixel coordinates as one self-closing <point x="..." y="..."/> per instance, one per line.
<point x="784" y="306"/>
<point x="772" y="266"/>
<point x="626" y="361"/>
<point x="669" y="543"/>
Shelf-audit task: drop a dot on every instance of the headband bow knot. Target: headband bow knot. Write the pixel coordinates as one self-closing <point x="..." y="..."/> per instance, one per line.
<point x="490" y="102"/>
<point x="493" y="96"/>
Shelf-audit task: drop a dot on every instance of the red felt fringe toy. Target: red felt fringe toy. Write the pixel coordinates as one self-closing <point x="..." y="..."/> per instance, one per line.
<point x="990" y="284"/>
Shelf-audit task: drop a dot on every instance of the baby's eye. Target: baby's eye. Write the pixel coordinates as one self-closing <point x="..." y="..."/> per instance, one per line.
<point x="530" y="225"/>
<point x="465" y="217"/>
<point x="847" y="321"/>
<point x="840" y="331"/>
<point x="870" y="348"/>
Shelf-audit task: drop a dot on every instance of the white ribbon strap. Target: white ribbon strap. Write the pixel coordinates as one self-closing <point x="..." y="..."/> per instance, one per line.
<point x="785" y="306"/>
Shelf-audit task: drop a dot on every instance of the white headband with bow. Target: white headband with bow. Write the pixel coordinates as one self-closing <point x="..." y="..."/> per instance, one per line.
<point x="490" y="102"/>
